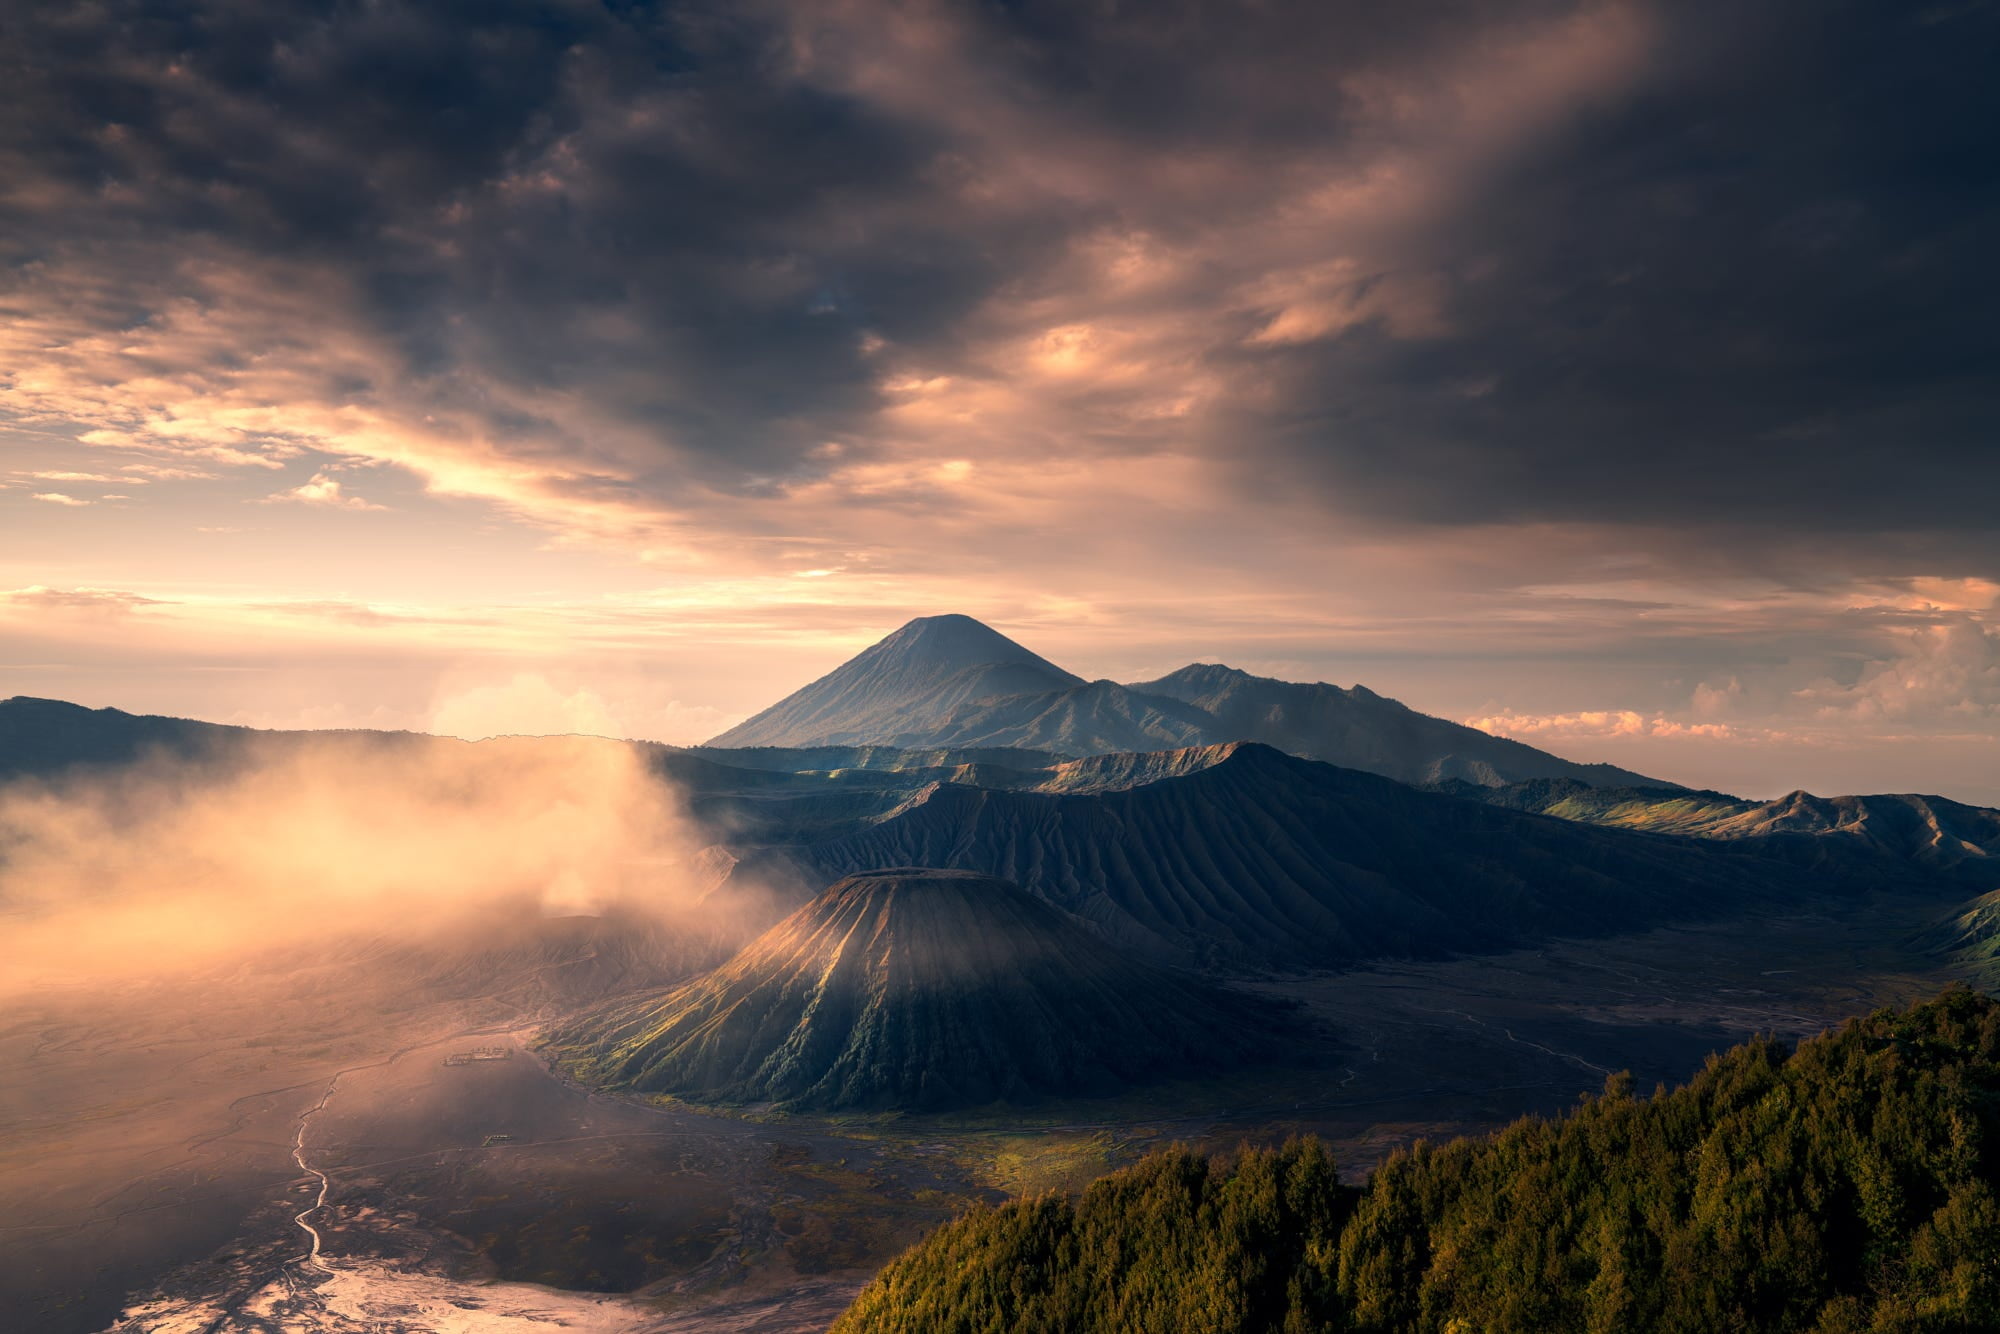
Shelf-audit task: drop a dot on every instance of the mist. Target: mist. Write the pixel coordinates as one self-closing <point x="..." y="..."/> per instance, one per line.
<point x="170" y="866"/>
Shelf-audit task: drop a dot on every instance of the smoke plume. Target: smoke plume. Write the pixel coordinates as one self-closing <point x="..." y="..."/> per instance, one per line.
<point x="172" y="865"/>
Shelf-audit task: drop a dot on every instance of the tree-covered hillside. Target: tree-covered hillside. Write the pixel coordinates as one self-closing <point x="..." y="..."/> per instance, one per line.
<point x="1846" y="1186"/>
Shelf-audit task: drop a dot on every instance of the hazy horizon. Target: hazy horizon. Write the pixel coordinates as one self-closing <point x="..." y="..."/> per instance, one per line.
<point x="532" y="703"/>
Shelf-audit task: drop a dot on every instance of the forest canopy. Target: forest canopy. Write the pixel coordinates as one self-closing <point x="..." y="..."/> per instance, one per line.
<point x="1847" y="1185"/>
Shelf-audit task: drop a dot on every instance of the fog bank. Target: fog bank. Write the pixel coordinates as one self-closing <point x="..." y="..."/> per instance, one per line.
<point x="167" y="866"/>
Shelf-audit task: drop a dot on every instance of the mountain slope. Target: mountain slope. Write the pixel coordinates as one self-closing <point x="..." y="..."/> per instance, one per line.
<point x="1359" y="729"/>
<point x="1118" y="773"/>
<point x="910" y="684"/>
<point x="878" y="759"/>
<point x="1246" y="857"/>
<point x="1095" y="718"/>
<point x="919" y="989"/>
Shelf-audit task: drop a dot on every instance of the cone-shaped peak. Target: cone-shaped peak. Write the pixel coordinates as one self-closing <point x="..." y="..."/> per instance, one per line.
<point x="903" y="688"/>
<point x="1200" y="675"/>
<point x="955" y="639"/>
<point x="918" y="988"/>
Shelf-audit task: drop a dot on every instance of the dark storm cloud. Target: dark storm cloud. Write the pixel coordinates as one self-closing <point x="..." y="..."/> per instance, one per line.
<point x="279" y="126"/>
<point x="1706" y="264"/>
<point x="1757" y="288"/>
<point x="525" y="171"/>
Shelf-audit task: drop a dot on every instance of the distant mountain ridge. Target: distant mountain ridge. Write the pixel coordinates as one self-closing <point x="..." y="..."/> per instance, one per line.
<point x="39" y="737"/>
<point x="952" y="682"/>
<point x="1359" y="729"/>
<point x="1933" y="832"/>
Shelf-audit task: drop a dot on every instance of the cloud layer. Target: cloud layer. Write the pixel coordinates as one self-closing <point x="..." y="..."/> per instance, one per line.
<point x="1596" y="263"/>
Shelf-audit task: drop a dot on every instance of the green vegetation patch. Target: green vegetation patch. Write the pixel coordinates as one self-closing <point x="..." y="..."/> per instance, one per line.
<point x="1051" y="1161"/>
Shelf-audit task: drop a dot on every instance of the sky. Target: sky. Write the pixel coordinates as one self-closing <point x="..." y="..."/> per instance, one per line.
<point x="1618" y="376"/>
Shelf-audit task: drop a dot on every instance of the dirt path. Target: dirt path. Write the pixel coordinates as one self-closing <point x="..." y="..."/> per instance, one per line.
<point x="312" y="1256"/>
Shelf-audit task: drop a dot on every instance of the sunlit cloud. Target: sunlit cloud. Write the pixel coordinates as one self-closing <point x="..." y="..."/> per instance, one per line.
<point x="1947" y="673"/>
<point x="39" y="598"/>
<point x="323" y="490"/>
<point x="156" y="472"/>
<point x="1598" y="723"/>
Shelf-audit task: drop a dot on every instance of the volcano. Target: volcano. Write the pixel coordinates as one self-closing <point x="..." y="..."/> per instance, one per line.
<point x="907" y="685"/>
<point x="951" y="682"/>
<point x="923" y="990"/>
